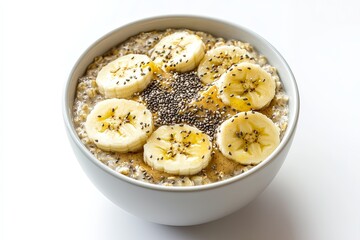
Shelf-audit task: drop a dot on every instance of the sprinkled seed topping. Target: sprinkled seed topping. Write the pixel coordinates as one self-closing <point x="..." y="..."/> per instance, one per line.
<point x="170" y="103"/>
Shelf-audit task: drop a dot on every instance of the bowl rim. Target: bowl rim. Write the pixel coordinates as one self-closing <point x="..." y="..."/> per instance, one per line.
<point x="290" y="131"/>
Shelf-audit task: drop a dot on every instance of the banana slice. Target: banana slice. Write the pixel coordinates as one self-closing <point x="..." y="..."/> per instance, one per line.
<point x="246" y="86"/>
<point x="180" y="51"/>
<point x="178" y="149"/>
<point x="119" y="125"/>
<point x="216" y="61"/>
<point x="248" y="137"/>
<point x="125" y="76"/>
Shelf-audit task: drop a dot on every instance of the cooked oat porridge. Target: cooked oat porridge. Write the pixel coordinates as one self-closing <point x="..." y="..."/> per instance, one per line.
<point x="180" y="108"/>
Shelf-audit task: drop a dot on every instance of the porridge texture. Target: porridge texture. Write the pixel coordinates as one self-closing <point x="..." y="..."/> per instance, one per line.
<point x="182" y="97"/>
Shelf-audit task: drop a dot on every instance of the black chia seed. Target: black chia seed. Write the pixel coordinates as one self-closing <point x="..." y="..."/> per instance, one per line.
<point x="171" y="103"/>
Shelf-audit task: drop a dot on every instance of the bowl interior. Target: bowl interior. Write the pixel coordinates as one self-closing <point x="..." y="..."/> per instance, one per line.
<point x="212" y="26"/>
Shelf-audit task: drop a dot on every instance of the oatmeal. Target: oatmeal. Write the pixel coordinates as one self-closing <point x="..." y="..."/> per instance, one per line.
<point x="176" y="96"/>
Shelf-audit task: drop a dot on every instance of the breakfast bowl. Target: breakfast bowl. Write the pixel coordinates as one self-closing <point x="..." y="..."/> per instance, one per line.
<point x="181" y="205"/>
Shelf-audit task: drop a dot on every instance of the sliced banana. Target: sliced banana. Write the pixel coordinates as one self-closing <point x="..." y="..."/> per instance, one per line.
<point x="216" y="61"/>
<point x="246" y="86"/>
<point x="178" y="149"/>
<point x="248" y="137"/>
<point x="125" y="76"/>
<point x="180" y="51"/>
<point x="119" y="125"/>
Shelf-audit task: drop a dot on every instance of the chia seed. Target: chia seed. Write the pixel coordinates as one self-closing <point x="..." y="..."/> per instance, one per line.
<point x="170" y="103"/>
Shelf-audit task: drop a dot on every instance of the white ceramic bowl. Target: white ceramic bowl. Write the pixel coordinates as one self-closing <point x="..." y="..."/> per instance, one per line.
<point x="182" y="205"/>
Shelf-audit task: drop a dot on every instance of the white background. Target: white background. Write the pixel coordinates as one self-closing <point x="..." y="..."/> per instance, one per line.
<point x="45" y="194"/>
